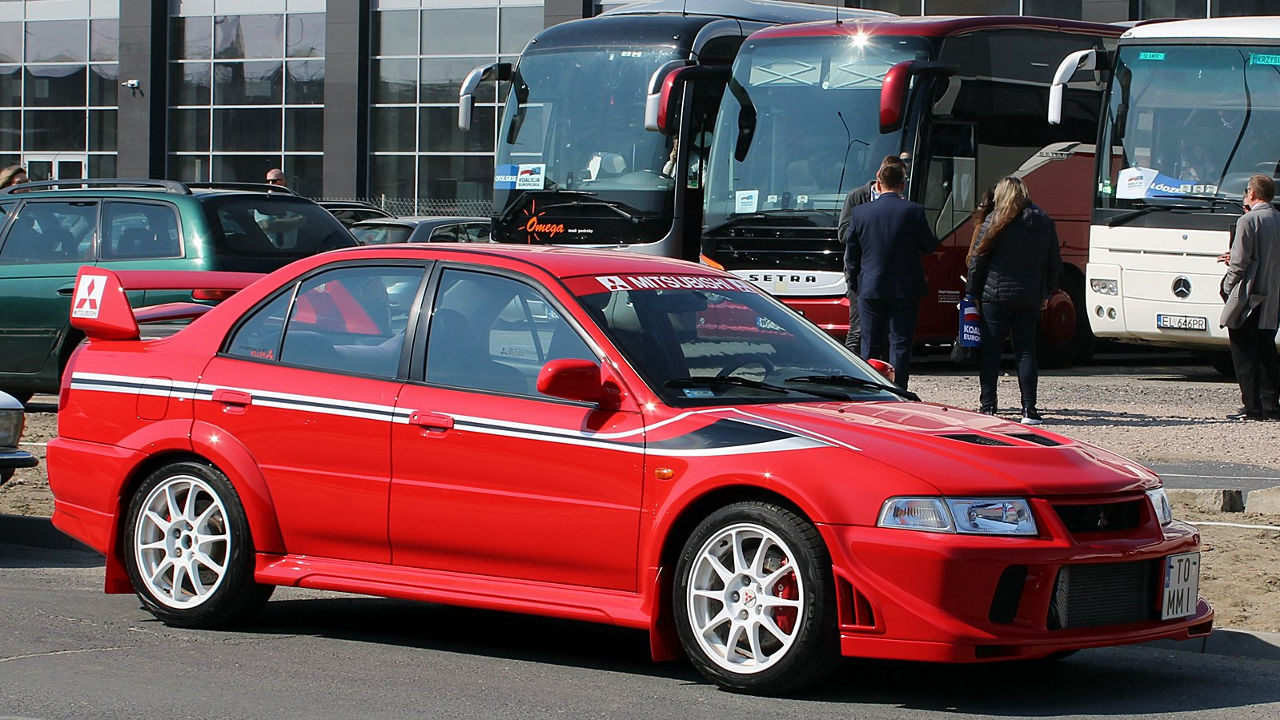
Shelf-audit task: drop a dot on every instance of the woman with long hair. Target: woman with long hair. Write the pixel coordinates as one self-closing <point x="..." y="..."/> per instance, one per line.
<point x="1014" y="262"/>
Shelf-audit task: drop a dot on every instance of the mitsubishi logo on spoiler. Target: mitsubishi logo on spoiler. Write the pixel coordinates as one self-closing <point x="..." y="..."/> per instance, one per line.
<point x="1181" y="288"/>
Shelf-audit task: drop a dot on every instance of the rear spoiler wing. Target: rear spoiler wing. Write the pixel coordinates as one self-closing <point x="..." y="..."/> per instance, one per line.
<point x="100" y="309"/>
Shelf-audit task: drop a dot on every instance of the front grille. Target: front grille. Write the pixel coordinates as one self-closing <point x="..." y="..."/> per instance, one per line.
<point x="1104" y="594"/>
<point x="1101" y="517"/>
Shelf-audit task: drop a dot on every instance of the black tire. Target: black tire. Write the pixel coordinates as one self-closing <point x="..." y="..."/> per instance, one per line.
<point x="807" y="648"/>
<point x="163" y="539"/>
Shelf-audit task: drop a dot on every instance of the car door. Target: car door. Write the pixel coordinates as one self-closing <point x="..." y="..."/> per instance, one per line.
<point x="307" y="384"/>
<point x="45" y="244"/>
<point x="489" y="476"/>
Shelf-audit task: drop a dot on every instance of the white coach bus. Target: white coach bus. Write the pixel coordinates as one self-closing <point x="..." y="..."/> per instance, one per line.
<point x="1192" y="110"/>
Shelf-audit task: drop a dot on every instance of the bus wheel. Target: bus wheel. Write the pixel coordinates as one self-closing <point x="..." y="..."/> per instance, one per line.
<point x="1065" y="336"/>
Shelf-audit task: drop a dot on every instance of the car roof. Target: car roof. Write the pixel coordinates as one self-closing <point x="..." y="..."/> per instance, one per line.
<point x="148" y="188"/>
<point x="563" y="262"/>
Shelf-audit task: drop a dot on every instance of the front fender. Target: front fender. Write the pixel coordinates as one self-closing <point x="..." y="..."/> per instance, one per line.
<point x="234" y="459"/>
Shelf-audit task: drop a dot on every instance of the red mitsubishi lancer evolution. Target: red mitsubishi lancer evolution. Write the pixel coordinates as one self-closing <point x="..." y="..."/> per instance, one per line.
<point x="597" y="436"/>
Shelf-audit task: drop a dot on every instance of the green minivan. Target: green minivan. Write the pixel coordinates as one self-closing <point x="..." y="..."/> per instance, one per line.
<point x="49" y="229"/>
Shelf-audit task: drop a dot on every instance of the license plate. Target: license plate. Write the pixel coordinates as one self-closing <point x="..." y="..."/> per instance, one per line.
<point x="1181" y="585"/>
<point x="1182" y="322"/>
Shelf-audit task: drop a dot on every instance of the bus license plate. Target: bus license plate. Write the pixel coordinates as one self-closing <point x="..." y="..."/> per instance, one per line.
<point x="1182" y="322"/>
<point x="1181" y="585"/>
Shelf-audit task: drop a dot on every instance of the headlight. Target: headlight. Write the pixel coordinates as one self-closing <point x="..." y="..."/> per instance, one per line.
<point x="1105" y="287"/>
<point x="10" y="427"/>
<point x="1160" y="502"/>
<point x="970" y="516"/>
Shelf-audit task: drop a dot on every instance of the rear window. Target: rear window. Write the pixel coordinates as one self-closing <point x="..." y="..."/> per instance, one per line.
<point x="257" y="227"/>
<point x="381" y="234"/>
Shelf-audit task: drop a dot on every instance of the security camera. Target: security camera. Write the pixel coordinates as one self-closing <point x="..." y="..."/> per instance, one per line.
<point x="131" y="84"/>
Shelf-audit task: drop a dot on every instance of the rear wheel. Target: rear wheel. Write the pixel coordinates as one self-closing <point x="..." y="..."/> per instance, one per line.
<point x="754" y="600"/>
<point x="188" y="550"/>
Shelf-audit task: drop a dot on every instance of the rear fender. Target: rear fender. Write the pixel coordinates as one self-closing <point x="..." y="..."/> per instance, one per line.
<point x="234" y="460"/>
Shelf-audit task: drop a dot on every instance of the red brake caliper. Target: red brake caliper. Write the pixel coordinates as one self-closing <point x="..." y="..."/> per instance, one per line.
<point x="786" y="589"/>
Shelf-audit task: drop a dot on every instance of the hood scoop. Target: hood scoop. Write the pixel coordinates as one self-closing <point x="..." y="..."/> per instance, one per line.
<point x="989" y="440"/>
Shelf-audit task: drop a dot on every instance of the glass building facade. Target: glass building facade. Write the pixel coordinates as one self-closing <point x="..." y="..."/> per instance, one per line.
<point x="59" y="86"/>
<point x="351" y="98"/>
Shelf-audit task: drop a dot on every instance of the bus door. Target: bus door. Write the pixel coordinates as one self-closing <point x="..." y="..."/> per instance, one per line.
<point x="949" y="196"/>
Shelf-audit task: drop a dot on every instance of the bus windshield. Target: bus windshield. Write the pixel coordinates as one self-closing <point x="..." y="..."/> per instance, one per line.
<point x="574" y="121"/>
<point x="1191" y="123"/>
<point x="800" y="124"/>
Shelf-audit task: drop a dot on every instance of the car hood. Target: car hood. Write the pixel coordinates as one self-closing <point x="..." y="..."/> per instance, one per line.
<point x="960" y="452"/>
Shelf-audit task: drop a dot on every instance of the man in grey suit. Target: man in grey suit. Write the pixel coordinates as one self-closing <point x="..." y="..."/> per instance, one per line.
<point x="1252" y="311"/>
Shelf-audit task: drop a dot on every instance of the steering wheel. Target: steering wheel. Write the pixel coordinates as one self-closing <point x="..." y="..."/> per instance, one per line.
<point x="748" y="360"/>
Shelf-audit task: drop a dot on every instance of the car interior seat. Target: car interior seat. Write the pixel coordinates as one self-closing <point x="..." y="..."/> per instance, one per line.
<point x="458" y="354"/>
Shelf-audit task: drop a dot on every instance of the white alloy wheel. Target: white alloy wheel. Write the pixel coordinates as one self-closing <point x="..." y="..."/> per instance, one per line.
<point x="181" y="542"/>
<point x="745" y="598"/>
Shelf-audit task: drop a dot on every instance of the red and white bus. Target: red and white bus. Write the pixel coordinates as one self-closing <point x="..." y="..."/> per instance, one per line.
<point x="813" y="108"/>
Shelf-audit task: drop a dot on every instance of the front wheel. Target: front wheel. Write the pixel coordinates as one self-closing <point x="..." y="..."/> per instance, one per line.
<point x="188" y="549"/>
<point x="754" y="600"/>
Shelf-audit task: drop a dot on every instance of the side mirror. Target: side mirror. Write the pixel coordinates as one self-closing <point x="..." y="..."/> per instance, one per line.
<point x="897" y="84"/>
<point x="466" y="94"/>
<point x="1078" y="60"/>
<point x="659" y="110"/>
<point x="885" y="369"/>
<point x="574" y="379"/>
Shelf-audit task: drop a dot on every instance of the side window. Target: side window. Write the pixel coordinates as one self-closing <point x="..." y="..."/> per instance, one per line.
<point x="139" y="230"/>
<point x="259" y="337"/>
<point x="951" y="182"/>
<point x="494" y="333"/>
<point x="478" y="232"/>
<point x="351" y="320"/>
<point x="47" y="232"/>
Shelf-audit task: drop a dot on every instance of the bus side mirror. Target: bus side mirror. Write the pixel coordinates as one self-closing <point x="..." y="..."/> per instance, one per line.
<point x="500" y="72"/>
<point x="1078" y="60"/>
<point x="662" y="103"/>
<point x="893" y="96"/>
<point x="897" y="85"/>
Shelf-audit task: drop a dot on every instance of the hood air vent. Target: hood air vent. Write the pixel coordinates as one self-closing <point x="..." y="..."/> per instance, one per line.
<point x="975" y="439"/>
<point x="1037" y="439"/>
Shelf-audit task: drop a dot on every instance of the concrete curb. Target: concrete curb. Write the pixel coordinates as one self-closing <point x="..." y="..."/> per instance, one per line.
<point x="40" y="532"/>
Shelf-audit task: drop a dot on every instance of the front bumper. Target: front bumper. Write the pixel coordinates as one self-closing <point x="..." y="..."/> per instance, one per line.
<point x="936" y="597"/>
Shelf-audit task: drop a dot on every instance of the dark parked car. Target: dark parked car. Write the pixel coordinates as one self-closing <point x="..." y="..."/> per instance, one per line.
<point x="350" y="212"/>
<point x="423" y="229"/>
<point x="49" y="229"/>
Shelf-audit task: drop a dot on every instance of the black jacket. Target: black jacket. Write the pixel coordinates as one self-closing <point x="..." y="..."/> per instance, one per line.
<point x="1024" y="264"/>
<point x="887" y="236"/>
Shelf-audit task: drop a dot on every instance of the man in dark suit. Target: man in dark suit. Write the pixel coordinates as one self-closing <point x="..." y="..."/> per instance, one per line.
<point x="859" y="196"/>
<point x="887" y="237"/>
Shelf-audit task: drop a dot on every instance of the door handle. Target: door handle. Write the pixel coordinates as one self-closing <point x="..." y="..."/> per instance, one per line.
<point x="431" y="421"/>
<point x="234" y="398"/>
<point x="67" y="291"/>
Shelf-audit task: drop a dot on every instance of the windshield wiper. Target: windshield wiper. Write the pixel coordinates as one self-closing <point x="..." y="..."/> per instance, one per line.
<point x="614" y="206"/>
<point x="763" y="215"/>
<point x="1145" y="208"/>
<point x="552" y="187"/>
<point x="1216" y="200"/>
<point x="855" y="382"/>
<point x="740" y="381"/>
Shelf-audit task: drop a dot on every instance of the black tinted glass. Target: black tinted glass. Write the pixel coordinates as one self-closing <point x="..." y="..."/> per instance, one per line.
<point x="249" y="227"/>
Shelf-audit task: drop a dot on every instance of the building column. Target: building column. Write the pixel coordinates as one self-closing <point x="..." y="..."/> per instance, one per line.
<point x="140" y="123"/>
<point x="346" y="99"/>
<point x="555" y="12"/>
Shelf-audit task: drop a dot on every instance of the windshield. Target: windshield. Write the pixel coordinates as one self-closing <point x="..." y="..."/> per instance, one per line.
<point x="574" y="120"/>
<point x="700" y="340"/>
<point x="802" y="116"/>
<point x="381" y="234"/>
<point x="1191" y="123"/>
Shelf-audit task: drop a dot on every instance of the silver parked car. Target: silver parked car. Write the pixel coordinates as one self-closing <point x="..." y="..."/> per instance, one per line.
<point x="423" y="229"/>
<point x="12" y="420"/>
